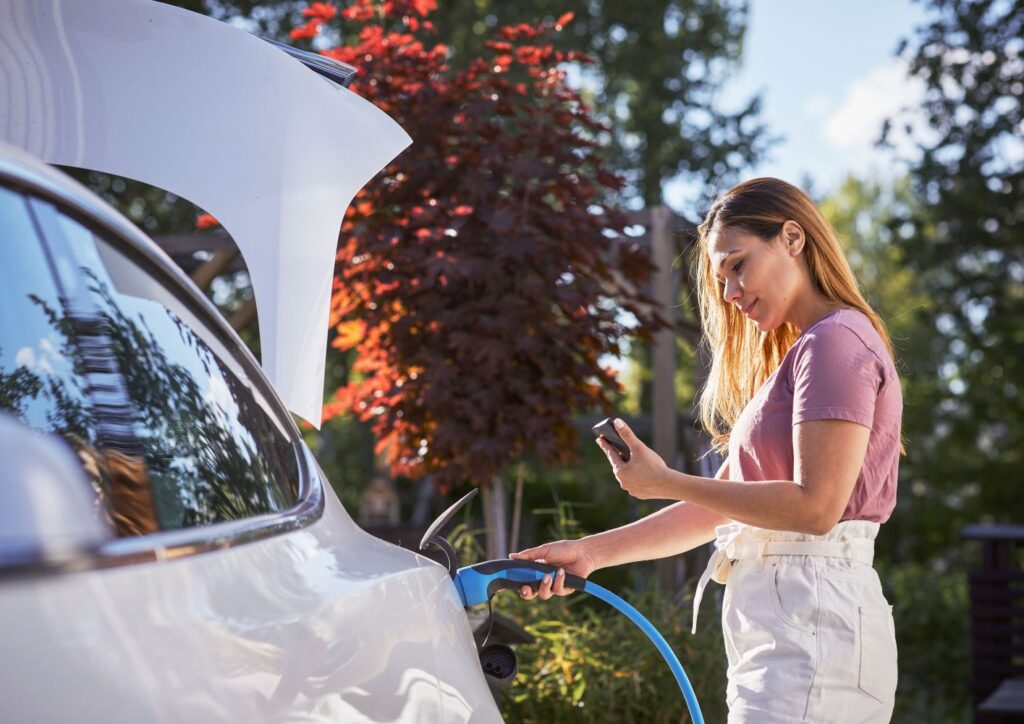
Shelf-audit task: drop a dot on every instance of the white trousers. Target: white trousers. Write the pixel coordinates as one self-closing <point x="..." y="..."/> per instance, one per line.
<point x="808" y="633"/>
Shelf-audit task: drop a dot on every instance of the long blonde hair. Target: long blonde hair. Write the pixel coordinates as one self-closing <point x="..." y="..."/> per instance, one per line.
<point x="743" y="356"/>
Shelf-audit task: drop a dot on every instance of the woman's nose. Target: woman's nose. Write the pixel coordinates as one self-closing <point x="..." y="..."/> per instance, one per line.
<point x="731" y="292"/>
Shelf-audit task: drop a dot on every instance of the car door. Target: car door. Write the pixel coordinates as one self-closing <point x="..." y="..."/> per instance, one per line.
<point x="236" y="588"/>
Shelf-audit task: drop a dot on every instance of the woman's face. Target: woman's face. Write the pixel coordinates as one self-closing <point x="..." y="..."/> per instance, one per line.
<point x="765" y="280"/>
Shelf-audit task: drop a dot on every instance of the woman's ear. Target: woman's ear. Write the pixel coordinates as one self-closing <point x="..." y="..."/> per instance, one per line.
<point x="793" y="237"/>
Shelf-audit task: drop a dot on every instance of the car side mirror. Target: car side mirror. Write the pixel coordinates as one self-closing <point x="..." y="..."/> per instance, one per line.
<point x="47" y="509"/>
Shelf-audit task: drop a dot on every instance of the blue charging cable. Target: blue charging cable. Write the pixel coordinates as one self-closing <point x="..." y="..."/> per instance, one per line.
<point x="479" y="583"/>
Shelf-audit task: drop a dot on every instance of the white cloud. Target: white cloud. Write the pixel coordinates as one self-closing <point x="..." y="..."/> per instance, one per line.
<point x="25" y="357"/>
<point x="856" y="123"/>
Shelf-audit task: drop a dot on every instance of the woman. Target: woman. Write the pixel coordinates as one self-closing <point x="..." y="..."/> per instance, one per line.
<point x="804" y="397"/>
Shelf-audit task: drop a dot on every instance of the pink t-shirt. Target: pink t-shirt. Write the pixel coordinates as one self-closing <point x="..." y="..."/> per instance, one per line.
<point x="839" y="369"/>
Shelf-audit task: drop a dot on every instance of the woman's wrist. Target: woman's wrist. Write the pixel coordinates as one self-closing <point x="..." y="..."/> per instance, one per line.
<point x="592" y="547"/>
<point x="673" y="483"/>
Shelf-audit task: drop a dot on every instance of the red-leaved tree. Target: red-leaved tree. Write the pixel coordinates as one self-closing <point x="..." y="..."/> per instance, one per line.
<point x="481" y="276"/>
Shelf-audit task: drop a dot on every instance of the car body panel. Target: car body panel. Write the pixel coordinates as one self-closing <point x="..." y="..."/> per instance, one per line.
<point x="325" y="623"/>
<point x="213" y="114"/>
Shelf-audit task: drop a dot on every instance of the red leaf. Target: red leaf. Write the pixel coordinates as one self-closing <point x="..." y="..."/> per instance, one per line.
<point x="321" y="10"/>
<point x="349" y="334"/>
<point x="502" y="62"/>
<point x="307" y="31"/>
<point x="206" y="221"/>
<point x="529" y="55"/>
<point x="424" y="7"/>
<point x="563" y="21"/>
<point x="360" y="12"/>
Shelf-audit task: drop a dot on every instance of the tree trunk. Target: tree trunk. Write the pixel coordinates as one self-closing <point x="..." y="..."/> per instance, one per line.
<point x="517" y="508"/>
<point x="424" y="494"/>
<point x="495" y="517"/>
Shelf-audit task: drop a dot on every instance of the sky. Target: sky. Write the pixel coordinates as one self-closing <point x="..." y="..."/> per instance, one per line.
<point x="828" y="77"/>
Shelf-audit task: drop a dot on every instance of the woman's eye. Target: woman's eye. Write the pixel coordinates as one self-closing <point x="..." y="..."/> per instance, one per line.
<point x="737" y="267"/>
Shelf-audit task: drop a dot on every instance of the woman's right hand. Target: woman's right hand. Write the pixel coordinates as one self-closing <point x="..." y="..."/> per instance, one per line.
<point x="571" y="556"/>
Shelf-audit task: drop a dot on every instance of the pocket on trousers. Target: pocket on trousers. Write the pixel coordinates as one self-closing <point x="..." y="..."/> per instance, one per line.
<point x="877" y="644"/>
<point x="794" y="598"/>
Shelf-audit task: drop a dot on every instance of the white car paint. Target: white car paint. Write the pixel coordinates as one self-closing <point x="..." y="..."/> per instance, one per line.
<point x="322" y="624"/>
<point x="217" y="116"/>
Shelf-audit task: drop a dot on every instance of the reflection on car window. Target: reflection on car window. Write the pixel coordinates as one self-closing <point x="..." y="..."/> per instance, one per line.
<point x="41" y="379"/>
<point x="212" y="449"/>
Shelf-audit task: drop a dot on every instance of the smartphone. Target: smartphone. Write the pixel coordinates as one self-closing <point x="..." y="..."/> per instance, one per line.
<point x="606" y="429"/>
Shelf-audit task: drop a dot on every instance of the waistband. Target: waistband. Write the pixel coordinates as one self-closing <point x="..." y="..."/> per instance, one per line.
<point x="849" y="539"/>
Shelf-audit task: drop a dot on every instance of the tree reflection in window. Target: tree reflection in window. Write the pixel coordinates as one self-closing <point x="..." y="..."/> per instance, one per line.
<point x="212" y="449"/>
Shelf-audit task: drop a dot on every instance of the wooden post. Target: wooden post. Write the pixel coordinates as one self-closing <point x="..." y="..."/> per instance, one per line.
<point x="664" y="348"/>
<point x="244" y="315"/>
<point x="663" y="354"/>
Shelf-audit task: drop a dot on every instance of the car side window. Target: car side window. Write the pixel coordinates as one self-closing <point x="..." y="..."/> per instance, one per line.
<point x="212" y="447"/>
<point x="41" y="377"/>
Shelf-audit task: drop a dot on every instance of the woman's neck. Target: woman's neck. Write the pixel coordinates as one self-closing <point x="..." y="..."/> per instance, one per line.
<point x="813" y="311"/>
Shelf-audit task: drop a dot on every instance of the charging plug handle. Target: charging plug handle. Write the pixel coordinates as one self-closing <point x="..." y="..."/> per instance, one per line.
<point x="513" y="575"/>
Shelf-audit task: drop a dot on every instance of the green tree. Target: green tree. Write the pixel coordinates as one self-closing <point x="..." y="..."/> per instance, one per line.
<point x="660" y="64"/>
<point x="866" y="215"/>
<point x="930" y="603"/>
<point x="965" y="245"/>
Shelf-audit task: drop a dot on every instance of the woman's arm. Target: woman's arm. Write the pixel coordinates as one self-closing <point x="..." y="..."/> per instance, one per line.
<point x="828" y="456"/>
<point x="667" y="532"/>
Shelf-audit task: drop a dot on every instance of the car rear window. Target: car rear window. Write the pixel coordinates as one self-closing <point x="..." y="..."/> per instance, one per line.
<point x="212" y="447"/>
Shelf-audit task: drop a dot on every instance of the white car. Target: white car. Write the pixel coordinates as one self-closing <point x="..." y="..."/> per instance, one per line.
<point x="169" y="548"/>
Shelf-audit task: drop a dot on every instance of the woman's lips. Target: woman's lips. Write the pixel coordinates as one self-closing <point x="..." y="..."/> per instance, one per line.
<point x="749" y="308"/>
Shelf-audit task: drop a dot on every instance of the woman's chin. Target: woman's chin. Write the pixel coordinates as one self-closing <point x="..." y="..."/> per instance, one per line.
<point x="764" y="324"/>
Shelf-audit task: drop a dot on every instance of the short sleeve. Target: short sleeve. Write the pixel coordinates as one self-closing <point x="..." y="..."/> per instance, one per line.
<point x="836" y="376"/>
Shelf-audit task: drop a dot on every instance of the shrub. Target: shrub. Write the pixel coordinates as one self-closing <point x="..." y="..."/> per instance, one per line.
<point x="590" y="663"/>
<point x="932" y="635"/>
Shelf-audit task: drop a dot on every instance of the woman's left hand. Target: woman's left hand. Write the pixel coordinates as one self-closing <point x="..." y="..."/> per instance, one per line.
<point x="645" y="475"/>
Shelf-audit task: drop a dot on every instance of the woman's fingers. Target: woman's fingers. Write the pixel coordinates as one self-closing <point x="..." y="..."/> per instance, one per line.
<point x="551" y="585"/>
<point x="611" y="453"/>
<point x="545" y="588"/>
<point x="626" y="433"/>
<point x="544" y="591"/>
<point x="530" y="554"/>
<point x="559" y="584"/>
